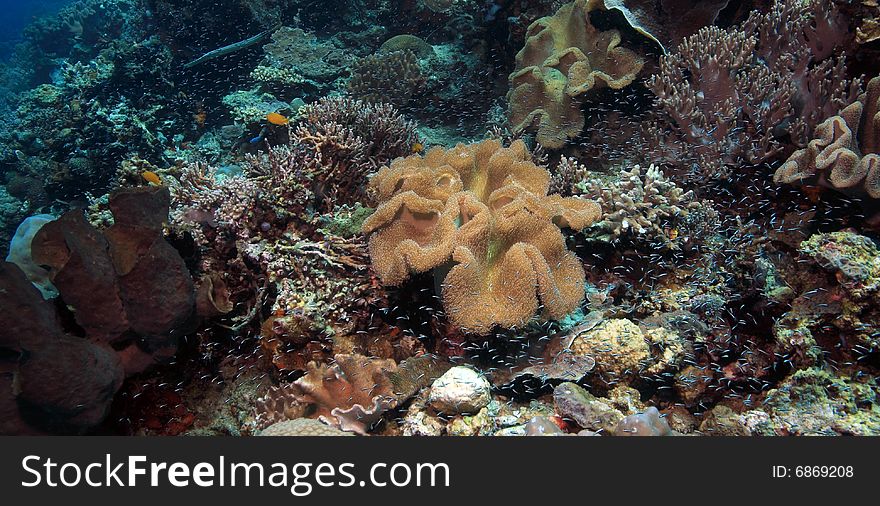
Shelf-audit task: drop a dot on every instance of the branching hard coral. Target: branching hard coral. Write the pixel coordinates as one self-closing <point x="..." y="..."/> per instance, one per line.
<point x="645" y="206"/>
<point x="392" y="78"/>
<point x="733" y="97"/>
<point x="564" y="58"/>
<point x="845" y="152"/>
<point x="266" y="233"/>
<point x="352" y="138"/>
<point x="486" y="208"/>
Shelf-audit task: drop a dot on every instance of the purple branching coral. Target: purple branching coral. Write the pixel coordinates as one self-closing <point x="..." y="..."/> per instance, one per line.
<point x="353" y="139"/>
<point x="263" y="229"/>
<point x="746" y="94"/>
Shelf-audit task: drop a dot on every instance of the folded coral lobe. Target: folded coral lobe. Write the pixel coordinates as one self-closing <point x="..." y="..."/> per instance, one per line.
<point x="485" y="208"/>
<point x="563" y="59"/>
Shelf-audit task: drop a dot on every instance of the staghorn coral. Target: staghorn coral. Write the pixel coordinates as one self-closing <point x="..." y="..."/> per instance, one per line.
<point x="486" y="208"/>
<point x="393" y="77"/>
<point x="729" y="97"/>
<point x="564" y="58"/>
<point x="845" y="152"/>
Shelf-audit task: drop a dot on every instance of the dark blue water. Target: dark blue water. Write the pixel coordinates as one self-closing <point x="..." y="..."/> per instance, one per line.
<point x="17" y="15"/>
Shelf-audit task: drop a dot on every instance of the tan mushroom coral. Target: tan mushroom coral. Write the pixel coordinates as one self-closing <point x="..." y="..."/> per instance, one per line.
<point x="846" y="150"/>
<point x="486" y="208"/>
<point x="565" y="57"/>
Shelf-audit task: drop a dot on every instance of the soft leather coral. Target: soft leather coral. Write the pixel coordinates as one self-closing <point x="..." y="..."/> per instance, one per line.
<point x="565" y="57"/>
<point x="485" y="208"/>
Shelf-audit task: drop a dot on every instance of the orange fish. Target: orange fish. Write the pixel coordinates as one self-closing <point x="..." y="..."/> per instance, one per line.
<point x="151" y="177"/>
<point x="277" y="119"/>
<point x="418" y="147"/>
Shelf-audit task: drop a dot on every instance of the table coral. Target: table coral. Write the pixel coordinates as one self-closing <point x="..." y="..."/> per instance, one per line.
<point x="564" y="58"/>
<point x="486" y="208"/>
<point x="845" y="152"/>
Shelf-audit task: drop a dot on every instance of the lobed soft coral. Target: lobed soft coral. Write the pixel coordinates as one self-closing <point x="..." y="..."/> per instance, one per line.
<point x="563" y="59"/>
<point x="486" y="208"/>
<point x="846" y="150"/>
<point x="351" y="394"/>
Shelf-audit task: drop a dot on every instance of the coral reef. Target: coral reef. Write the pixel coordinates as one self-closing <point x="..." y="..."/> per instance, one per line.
<point x="507" y="247"/>
<point x="444" y="218"/>
<point x="565" y="57"/>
